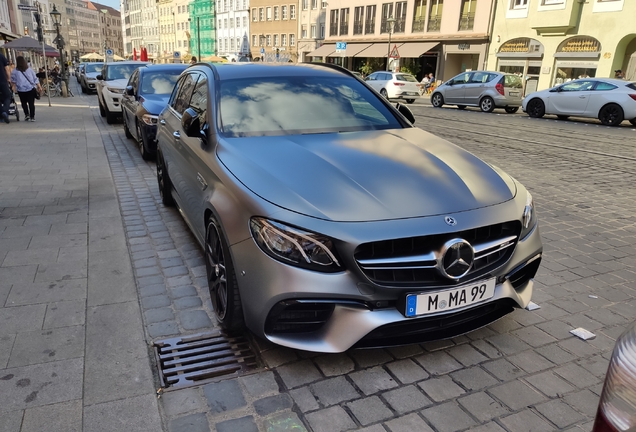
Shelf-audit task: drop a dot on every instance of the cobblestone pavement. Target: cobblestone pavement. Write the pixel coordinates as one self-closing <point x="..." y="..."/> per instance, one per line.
<point x="525" y="372"/>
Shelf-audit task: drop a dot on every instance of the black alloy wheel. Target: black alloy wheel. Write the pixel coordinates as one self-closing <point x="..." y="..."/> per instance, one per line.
<point x="511" y="110"/>
<point x="563" y="117"/>
<point x="222" y="282"/>
<point x="126" y="130"/>
<point x="487" y="104"/>
<point x="536" y="108"/>
<point x="163" y="181"/>
<point x="437" y="100"/>
<point x="410" y="101"/>
<point x="611" y="115"/>
<point x="141" y="142"/>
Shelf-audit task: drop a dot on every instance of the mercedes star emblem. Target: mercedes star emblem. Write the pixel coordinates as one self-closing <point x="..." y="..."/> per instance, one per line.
<point x="455" y="259"/>
<point x="450" y="221"/>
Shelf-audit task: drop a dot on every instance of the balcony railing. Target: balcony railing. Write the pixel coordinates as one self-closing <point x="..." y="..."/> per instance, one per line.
<point x="467" y="21"/>
<point x="434" y="22"/>
<point x="369" y="26"/>
<point x="357" y="28"/>
<point x="344" y="28"/>
<point x="419" y="24"/>
<point x="333" y="29"/>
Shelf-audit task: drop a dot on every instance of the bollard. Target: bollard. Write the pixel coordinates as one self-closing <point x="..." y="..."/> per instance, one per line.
<point x="64" y="89"/>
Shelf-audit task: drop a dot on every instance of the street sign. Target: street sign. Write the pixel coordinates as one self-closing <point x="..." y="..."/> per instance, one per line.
<point x="262" y="50"/>
<point x="27" y="8"/>
<point x="176" y="55"/>
<point x="394" y="53"/>
<point x="341" y="47"/>
<point x="109" y="52"/>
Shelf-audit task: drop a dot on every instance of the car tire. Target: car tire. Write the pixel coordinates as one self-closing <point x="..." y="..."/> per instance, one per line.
<point x="110" y="117"/>
<point x="102" y="112"/>
<point x="511" y="110"/>
<point x="487" y="104"/>
<point x="143" y="146"/>
<point x="563" y="117"/>
<point x="437" y="100"/>
<point x="222" y="283"/>
<point x="461" y="107"/>
<point x="163" y="182"/>
<point x="410" y="101"/>
<point x="611" y="115"/>
<point x="126" y="130"/>
<point x="535" y="108"/>
<point x="633" y="121"/>
<point x="83" y="88"/>
<point x="384" y="94"/>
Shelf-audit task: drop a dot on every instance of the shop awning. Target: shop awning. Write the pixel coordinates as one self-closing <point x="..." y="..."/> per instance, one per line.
<point x="6" y="34"/>
<point x="323" y="51"/>
<point x="375" y="50"/>
<point x="415" y="49"/>
<point x="353" y="49"/>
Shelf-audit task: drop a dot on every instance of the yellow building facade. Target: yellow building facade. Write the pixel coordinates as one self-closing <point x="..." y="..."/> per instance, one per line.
<point x="549" y="42"/>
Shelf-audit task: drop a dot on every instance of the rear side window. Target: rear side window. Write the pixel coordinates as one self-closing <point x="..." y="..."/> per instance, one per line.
<point x="512" y="81"/>
<point x="405" y="77"/>
<point x="482" y="77"/>
<point x="605" y="86"/>
<point x="631" y="86"/>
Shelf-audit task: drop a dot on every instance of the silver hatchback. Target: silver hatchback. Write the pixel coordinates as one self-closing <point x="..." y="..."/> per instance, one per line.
<point x="483" y="89"/>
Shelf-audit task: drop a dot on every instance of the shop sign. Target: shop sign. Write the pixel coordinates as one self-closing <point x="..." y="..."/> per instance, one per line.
<point x="521" y="45"/>
<point x="580" y="44"/>
<point x="463" y="46"/>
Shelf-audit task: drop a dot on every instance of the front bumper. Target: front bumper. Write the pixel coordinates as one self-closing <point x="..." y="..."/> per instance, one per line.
<point x="112" y="100"/>
<point x="348" y="310"/>
<point x="91" y="85"/>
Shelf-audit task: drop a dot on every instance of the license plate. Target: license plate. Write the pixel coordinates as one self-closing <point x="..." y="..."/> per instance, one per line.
<point x="514" y="93"/>
<point x="423" y="304"/>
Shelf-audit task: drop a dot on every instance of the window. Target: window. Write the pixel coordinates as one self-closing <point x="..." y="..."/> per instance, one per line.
<point x="358" y="18"/>
<point x="303" y="31"/>
<point x="292" y="11"/>
<point x="225" y="23"/>
<point x="283" y="10"/>
<point x="435" y="15"/>
<point x="322" y="30"/>
<point x="244" y="21"/>
<point x="552" y="2"/>
<point x="261" y="14"/>
<point x="387" y="12"/>
<point x="333" y="22"/>
<point x="292" y="40"/>
<point x="305" y="4"/>
<point x="199" y="100"/>
<point x="276" y="14"/>
<point x="276" y="40"/>
<point x="462" y="78"/>
<point x="369" y="23"/>
<point x="269" y="40"/>
<point x="183" y="91"/>
<point x="344" y="21"/>
<point x="323" y="4"/>
<point x="254" y="16"/>
<point x="238" y="22"/>
<point x="313" y="31"/>
<point x="519" y="4"/>
<point x="283" y="40"/>
<point x="269" y="13"/>
<point x="605" y="86"/>
<point x="254" y="40"/>
<point x="314" y="4"/>
<point x="482" y="77"/>
<point x="400" y="17"/>
<point x="578" y="86"/>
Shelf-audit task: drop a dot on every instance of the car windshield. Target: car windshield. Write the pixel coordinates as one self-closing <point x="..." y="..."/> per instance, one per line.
<point x="93" y="67"/>
<point x="300" y="105"/>
<point x="405" y="77"/>
<point x="160" y="82"/>
<point x="124" y="71"/>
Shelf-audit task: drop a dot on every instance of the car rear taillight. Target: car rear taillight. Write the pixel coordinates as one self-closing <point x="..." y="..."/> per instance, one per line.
<point x="633" y="96"/>
<point x="617" y="407"/>
<point x="398" y="83"/>
<point x="500" y="89"/>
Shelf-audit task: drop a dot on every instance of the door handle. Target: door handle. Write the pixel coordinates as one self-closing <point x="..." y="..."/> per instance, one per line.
<point x="162" y="122"/>
<point x="202" y="181"/>
<point x="582" y="97"/>
<point x="176" y="134"/>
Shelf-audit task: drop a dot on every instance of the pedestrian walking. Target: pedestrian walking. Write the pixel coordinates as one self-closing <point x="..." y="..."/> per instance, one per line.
<point x="5" y="90"/>
<point x="27" y="86"/>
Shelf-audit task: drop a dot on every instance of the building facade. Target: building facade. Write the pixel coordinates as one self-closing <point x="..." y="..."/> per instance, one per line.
<point x="182" y="14"/>
<point x="202" y="29"/>
<point x="274" y="31"/>
<point x="167" y="21"/>
<point x="549" y="42"/>
<point x="80" y="27"/>
<point x="442" y="37"/>
<point x="232" y="28"/>
<point x="311" y="26"/>
<point x="110" y="29"/>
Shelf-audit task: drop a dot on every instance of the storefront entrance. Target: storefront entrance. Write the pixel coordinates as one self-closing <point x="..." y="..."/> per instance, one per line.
<point x="576" y="57"/>
<point x="523" y="57"/>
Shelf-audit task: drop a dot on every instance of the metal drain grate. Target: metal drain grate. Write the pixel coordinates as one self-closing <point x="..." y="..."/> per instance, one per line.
<point x="186" y="361"/>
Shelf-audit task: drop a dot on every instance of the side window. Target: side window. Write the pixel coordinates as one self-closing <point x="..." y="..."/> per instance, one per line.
<point x="175" y="91"/>
<point x="479" y="77"/>
<point x="134" y="81"/>
<point x="182" y="100"/>
<point x="199" y="100"/>
<point x="578" y="86"/>
<point x="605" y="86"/>
<point x="372" y="77"/>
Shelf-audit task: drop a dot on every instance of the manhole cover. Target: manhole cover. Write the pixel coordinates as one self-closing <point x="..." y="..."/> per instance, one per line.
<point x="186" y="361"/>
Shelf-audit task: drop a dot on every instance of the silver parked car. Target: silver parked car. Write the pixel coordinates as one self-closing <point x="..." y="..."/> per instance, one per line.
<point x="88" y="76"/>
<point x="483" y="89"/>
<point x="328" y="221"/>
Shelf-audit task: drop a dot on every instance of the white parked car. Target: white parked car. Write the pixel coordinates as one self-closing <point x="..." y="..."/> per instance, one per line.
<point x="609" y="100"/>
<point x="395" y="85"/>
<point x="110" y="87"/>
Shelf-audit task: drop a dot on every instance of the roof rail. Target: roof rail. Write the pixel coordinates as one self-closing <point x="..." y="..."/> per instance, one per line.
<point x="332" y="66"/>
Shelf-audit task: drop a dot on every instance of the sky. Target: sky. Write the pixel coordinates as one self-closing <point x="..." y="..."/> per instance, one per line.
<point x="112" y="3"/>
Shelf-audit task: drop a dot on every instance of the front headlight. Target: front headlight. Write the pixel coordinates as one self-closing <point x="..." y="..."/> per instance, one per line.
<point x="114" y="90"/>
<point x="529" y="217"/>
<point x="150" y="120"/>
<point x="293" y="246"/>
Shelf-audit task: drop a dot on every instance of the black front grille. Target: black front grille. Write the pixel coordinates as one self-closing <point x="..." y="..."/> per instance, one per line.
<point x="521" y="275"/>
<point x="298" y="317"/>
<point x="424" y="273"/>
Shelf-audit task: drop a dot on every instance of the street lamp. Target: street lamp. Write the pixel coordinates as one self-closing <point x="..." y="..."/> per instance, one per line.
<point x="261" y="39"/>
<point x="56" y="16"/>
<point x="391" y="22"/>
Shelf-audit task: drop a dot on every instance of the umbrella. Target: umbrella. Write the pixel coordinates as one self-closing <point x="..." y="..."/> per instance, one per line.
<point x="92" y="56"/>
<point x="135" y="54"/>
<point x="29" y="44"/>
<point x="214" y="59"/>
<point x="144" y="54"/>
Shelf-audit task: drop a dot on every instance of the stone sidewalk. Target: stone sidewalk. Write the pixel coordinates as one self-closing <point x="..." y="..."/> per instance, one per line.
<point x="73" y="356"/>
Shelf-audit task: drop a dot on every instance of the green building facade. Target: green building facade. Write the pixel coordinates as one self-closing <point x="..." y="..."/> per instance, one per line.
<point x="202" y="28"/>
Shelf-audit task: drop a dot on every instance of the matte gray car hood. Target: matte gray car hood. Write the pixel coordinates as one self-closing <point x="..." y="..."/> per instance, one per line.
<point x="365" y="176"/>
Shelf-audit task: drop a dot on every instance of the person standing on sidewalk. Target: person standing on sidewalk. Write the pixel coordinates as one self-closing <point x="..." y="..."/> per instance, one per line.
<point x="5" y="90"/>
<point x="28" y="87"/>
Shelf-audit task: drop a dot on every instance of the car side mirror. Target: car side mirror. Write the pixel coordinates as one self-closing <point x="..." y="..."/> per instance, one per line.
<point x="99" y="77"/>
<point x="130" y="91"/>
<point x="556" y="90"/>
<point x="406" y="112"/>
<point x="191" y="123"/>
